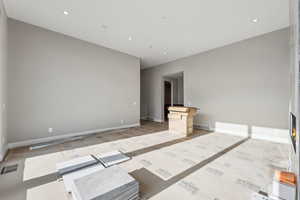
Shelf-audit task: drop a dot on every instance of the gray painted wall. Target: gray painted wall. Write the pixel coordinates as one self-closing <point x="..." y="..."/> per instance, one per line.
<point x="175" y="90"/>
<point x="244" y="83"/>
<point x="294" y="89"/>
<point x="180" y="90"/>
<point x="3" y="74"/>
<point x="59" y="82"/>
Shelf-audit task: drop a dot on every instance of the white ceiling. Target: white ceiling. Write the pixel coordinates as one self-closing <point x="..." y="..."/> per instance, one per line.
<point x="161" y="30"/>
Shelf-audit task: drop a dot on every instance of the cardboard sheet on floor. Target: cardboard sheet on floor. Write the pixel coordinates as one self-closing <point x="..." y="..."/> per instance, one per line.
<point x="69" y="178"/>
<point x="111" y="183"/>
<point x="172" y="160"/>
<point x="48" y="191"/>
<point x="235" y="175"/>
<point x="106" y="159"/>
<point x="43" y="165"/>
<point x="112" y="158"/>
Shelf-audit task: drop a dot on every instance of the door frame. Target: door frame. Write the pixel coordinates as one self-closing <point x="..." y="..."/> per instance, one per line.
<point x="163" y="79"/>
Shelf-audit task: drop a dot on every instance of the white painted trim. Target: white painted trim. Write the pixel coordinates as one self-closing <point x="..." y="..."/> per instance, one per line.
<point x="58" y="137"/>
<point x="271" y="134"/>
<point x="155" y="119"/>
<point x="158" y="120"/>
<point x="232" y="129"/>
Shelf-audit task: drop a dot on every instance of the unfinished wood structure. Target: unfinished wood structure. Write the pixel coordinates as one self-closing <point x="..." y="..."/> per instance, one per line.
<point x="181" y="119"/>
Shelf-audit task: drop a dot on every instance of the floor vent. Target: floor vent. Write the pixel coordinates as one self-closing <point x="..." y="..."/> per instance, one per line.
<point x="8" y="169"/>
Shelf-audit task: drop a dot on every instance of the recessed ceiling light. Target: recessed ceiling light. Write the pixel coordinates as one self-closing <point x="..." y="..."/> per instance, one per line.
<point x="103" y="26"/>
<point x="255" y="20"/>
<point x="130" y="38"/>
<point x="66" y="12"/>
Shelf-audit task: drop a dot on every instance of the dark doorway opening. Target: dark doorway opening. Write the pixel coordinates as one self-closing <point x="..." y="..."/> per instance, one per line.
<point x="168" y="96"/>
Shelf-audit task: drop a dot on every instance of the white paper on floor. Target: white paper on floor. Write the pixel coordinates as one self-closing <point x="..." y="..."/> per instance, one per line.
<point x="237" y="174"/>
<point x="172" y="160"/>
<point x="46" y="164"/>
<point x="48" y="191"/>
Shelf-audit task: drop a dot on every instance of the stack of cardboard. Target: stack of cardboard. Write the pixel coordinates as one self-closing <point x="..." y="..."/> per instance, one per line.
<point x="107" y="160"/>
<point x="111" y="183"/>
<point x="77" y="168"/>
<point x="181" y="119"/>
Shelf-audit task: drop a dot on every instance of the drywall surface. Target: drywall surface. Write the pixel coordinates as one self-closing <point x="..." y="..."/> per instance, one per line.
<point x="144" y="95"/>
<point x="243" y="83"/>
<point x="180" y="90"/>
<point x="3" y="78"/>
<point x="175" y="90"/>
<point x="72" y="86"/>
<point x="294" y="83"/>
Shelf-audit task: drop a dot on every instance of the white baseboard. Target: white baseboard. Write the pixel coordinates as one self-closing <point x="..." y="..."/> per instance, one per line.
<point x="271" y="134"/>
<point x="232" y="129"/>
<point x="58" y="137"/>
<point x="158" y="120"/>
<point x="155" y="119"/>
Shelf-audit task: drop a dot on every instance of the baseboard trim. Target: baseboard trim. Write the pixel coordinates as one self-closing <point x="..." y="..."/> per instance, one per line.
<point x="232" y="129"/>
<point x="69" y="135"/>
<point x="155" y="119"/>
<point x="271" y="134"/>
<point x="158" y="120"/>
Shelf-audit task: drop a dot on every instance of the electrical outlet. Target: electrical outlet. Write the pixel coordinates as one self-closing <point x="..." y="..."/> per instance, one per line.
<point x="122" y="121"/>
<point x="50" y="130"/>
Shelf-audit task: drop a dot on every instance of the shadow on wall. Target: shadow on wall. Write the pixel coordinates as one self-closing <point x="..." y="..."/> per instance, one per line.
<point x="203" y="121"/>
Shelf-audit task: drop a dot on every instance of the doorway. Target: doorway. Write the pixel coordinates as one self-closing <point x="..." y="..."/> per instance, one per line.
<point x="168" y="97"/>
<point x="173" y="92"/>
